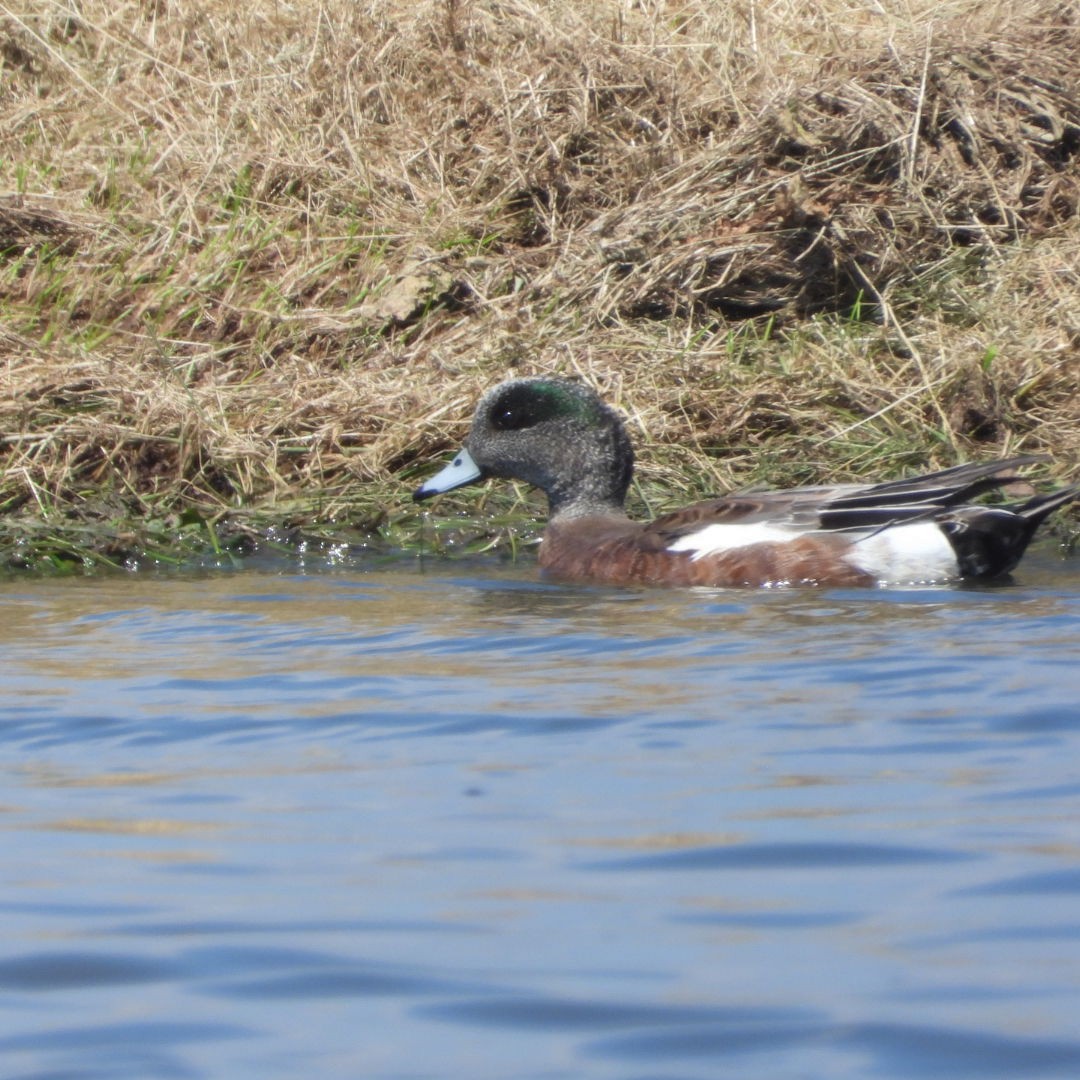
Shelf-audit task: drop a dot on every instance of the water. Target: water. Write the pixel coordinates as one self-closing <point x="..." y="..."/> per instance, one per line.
<point x="460" y="823"/>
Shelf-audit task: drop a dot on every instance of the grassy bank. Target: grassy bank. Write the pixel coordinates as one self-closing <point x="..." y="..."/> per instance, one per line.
<point x="257" y="261"/>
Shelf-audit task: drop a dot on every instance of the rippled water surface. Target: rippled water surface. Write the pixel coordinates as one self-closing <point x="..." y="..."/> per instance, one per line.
<point x="461" y="823"/>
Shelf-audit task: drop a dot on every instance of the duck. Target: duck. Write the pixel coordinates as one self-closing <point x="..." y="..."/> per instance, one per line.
<point x="557" y="434"/>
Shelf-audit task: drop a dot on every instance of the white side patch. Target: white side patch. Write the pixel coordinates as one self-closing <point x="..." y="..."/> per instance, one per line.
<point x="714" y="539"/>
<point x="911" y="554"/>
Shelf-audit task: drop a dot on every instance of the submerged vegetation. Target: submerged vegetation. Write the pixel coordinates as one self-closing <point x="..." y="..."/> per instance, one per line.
<point x="258" y="261"/>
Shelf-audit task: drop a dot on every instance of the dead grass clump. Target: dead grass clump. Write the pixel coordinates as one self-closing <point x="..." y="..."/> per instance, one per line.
<point x="856" y="183"/>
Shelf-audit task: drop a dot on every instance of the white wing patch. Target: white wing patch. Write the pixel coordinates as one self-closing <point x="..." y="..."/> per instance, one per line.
<point x="918" y="553"/>
<point x="715" y="539"/>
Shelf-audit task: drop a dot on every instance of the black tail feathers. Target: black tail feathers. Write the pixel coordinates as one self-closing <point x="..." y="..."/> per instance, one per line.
<point x="990" y="540"/>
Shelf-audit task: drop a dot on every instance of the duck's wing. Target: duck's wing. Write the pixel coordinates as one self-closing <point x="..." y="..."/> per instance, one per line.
<point x="852" y="508"/>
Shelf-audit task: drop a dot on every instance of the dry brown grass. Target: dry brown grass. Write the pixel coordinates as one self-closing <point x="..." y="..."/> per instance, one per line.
<point x="267" y="255"/>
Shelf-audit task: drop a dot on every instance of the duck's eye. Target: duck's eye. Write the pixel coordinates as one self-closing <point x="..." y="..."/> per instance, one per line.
<point x="512" y="419"/>
<point x="522" y="407"/>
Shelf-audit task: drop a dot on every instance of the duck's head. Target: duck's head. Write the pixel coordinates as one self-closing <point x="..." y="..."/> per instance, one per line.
<point x="553" y="433"/>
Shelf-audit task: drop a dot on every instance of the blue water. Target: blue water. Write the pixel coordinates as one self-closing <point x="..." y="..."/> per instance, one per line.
<point x="458" y="823"/>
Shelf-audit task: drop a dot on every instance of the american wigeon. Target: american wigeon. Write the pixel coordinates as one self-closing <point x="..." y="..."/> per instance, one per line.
<point x="558" y="435"/>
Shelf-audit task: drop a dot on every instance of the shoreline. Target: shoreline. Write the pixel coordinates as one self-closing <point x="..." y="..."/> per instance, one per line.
<point x="827" y="250"/>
